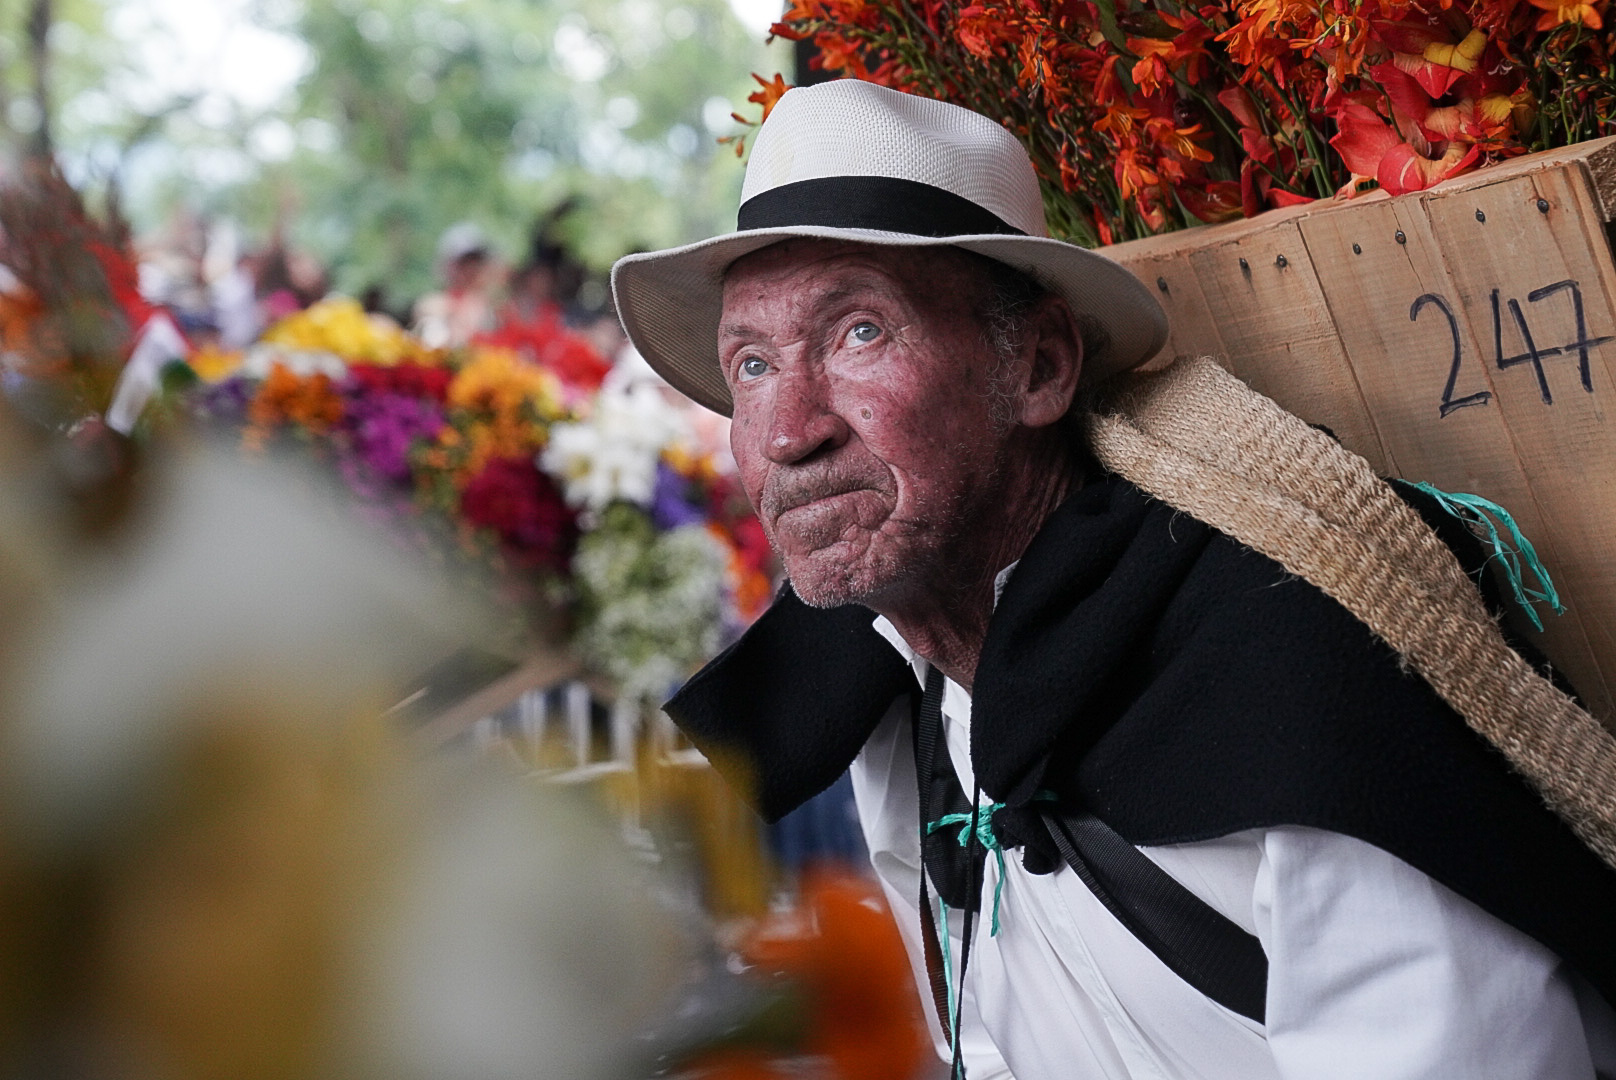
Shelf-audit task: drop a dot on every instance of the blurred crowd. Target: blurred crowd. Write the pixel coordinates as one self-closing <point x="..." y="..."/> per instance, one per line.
<point x="225" y="293"/>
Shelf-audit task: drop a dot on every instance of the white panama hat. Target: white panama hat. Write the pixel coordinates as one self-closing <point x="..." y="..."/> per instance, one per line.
<point x="850" y="160"/>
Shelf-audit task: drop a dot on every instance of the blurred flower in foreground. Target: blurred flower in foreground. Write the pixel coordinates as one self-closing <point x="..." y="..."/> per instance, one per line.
<point x="216" y="860"/>
<point x="851" y="998"/>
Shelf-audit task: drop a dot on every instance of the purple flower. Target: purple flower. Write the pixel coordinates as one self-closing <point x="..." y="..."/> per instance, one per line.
<point x="384" y="426"/>
<point x="224" y="401"/>
<point x="674" y="500"/>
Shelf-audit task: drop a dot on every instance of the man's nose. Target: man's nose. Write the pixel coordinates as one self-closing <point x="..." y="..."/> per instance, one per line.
<point x="803" y="421"/>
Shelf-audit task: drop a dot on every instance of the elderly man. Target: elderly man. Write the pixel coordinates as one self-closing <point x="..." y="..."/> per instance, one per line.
<point x="1231" y="834"/>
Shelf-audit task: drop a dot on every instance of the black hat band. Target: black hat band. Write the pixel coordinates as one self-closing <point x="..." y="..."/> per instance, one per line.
<point x="881" y="203"/>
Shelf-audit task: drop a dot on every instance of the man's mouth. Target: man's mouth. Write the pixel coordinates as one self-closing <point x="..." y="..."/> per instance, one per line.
<point x="796" y="496"/>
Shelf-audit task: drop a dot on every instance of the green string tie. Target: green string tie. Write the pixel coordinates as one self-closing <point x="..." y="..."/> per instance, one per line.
<point x="947" y="944"/>
<point x="1474" y="510"/>
<point x="982" y="821"/>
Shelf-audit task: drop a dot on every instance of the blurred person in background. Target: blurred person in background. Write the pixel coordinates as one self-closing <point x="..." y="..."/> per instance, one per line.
<point x="463" y="308"/>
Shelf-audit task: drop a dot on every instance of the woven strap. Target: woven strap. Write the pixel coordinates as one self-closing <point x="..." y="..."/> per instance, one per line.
<point x="1203" y="442"/>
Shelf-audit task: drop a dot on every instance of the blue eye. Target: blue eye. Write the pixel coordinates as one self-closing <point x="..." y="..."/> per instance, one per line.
<point x="863" y="333"/>
<point x="752" y="367"/>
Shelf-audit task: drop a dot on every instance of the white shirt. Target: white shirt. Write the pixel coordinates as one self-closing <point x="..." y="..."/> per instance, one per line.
<point x="1375" y="970"/>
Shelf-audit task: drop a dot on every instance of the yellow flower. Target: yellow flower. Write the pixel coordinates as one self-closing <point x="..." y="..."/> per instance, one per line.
<point x="500" y="382"/>
<point x="340" y="325"/>
<point x="212" y="363"/>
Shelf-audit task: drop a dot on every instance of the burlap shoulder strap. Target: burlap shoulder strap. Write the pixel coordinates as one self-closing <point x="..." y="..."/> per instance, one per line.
<point x="1203" y="442"/>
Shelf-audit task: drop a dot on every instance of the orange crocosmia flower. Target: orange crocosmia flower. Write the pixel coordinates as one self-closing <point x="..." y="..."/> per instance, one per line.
<point x="860" y="13"/>
<point x="1565" y="12"/>
<point x="982" y="30"/>
<point x="1182" y="141"/>
<point x="773" y="90"/>
<point x="1120" y="121"/>
<point x="1150" y="72"/>
<point x="1036" y="68"/>
<point x="838" y="54"/>
<point x="1134" y="175"/>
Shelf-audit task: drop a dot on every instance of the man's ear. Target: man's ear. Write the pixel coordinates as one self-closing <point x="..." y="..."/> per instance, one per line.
<point x="1055" y="363"/>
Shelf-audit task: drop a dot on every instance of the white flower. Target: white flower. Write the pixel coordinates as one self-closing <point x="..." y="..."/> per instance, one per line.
<point x="613" y="454"/>
<point x="653" y="603"/>
<point x="301" y="362"/>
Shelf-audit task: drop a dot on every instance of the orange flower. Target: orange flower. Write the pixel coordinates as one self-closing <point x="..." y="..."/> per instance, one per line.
<point x="1562" y="12"/>
<point x="1150" y="72"/>
<point x="1120" y="121"/>
<point x="982" y="30"/>
<point x="284" y="397"/>
<point x="836" y="53"/>
<point x="1133" y="174"/>
<point x="1184" y="142"/>
<point x="843" y="948"/>
<point x="773" y="90"/>
<point x="801" y="11"/>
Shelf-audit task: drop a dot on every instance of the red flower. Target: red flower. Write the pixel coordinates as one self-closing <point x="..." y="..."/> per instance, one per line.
<point x="836" y="53"/>
<point x="525" y="508"/>
<point x="1372" y="147"/>
<point x="983" y="30"/>
<point x="1219" y="201"/>
<point x="408" y="378"/>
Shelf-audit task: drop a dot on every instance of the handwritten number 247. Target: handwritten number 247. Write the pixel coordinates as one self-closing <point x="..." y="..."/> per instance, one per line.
<point x="1534" y="354"/>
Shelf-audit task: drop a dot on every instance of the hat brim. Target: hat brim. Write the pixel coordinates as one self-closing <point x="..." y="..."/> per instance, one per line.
<point x="670" y="301"/>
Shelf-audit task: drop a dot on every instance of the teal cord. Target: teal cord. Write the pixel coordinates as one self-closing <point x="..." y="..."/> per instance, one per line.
<point x="947" y="944"/>
<point x="1473" y="509"/>
<point x="982" y="820"/>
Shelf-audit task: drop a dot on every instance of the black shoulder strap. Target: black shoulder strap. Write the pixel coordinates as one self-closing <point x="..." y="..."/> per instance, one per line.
<point x="1201" y="945"/>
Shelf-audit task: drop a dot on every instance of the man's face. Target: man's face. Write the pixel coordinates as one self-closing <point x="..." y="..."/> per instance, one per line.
<point x="864" y="425"/>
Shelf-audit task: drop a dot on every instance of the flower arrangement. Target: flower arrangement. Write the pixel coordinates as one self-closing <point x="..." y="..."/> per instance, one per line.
<point x="558" y="488"/>
<point x="1143" y="116"/>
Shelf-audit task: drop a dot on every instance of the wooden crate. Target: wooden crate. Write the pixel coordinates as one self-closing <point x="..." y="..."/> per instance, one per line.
<point x="1464" y="335"/>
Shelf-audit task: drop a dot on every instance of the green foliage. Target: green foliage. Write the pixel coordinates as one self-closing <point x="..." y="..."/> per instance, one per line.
<point x="496" y="111"/>
<point x="415" y="114"/>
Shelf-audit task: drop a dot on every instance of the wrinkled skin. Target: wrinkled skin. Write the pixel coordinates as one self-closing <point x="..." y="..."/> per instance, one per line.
<point x="893" y="457"/>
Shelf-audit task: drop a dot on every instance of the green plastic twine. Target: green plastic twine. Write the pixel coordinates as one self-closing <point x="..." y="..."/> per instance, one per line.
<point x="1474" y="510"/>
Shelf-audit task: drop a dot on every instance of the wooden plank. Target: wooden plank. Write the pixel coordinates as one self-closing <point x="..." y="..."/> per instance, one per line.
<point x="1596" y="158"/>
<point x="1391" y="304"/>
<point x="1191" y="329"/>
<point x="1504" y="255"/>
<point x="1264" y="299"/>
<point x="545" y="668"/>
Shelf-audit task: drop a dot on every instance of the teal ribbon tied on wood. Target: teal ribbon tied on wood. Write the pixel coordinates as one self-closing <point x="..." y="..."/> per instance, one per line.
<point x="1479" y="512"/>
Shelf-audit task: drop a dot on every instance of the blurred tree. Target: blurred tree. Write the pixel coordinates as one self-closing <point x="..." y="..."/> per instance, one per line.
<point x="420" y="113"/>
<point x="408" y="115"/>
